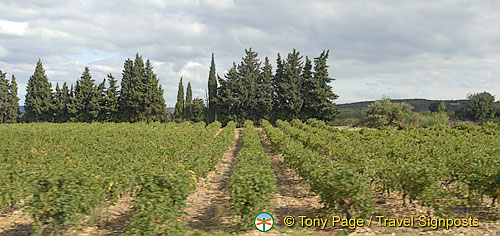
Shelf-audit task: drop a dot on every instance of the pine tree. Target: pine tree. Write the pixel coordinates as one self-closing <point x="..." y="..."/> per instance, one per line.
<point x="324" y="95"/>
<point x="291" y="86"/>
<point x="112" y="99"/>
<point x="308" y="88"/>
<point x="212" y="92"/>
<point x="265" y="91"/>
<point x="126" y="98"/>
<point x="58" y="105"/>
<point x="66" y="101"/>
<point x="228" y="104"/>
<point x="71" y="106"/>
<point x="249" y="75"/>
<point x="101" y="97"/>
<point x="179" y="106"/>
<point x="4" y="98"/>
<point x="38" y="96"/>
<point x="13" y="113"/>
<point x="279" y="94"/>
<point x="156" y="109"/>
<point x="189" y="102"/>
<point x="198" y="110"/>
<point x="86" y="98"/>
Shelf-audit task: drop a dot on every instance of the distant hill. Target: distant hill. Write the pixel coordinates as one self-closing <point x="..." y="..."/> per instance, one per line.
<point x="419" y="105"/>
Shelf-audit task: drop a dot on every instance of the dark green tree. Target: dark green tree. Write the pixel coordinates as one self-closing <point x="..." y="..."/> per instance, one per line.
<point x="38" y="96"/>
<point x="189" y="102"/>
<point x="307" y="90"/>
<point x="13" y="112"/>
<point x="212" y="92"/>
<point x="126" y="99"/>
<point x="198" y="110"/>
<point x="265" y="91"/>
<point x="323" y="95"/>
<point x="112" y="100"/>
<point x="228" y="105"/>
<point x="278" y="84"/>
<point x="87" y="98"/>
<point x="480" y="106"/>
<point x="101" y="97"/>
<point x="249" y="75"/>
<point x="4" y="98"/>
<point x="291" y="86"/>
<point x="179" y="106"/>
<point x="156" y="109"/>
<point x="58" y="105"/>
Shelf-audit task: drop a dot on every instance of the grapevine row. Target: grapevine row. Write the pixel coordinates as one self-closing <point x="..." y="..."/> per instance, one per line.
<point x="253" y="181"/>
<point x="340" y="187"/>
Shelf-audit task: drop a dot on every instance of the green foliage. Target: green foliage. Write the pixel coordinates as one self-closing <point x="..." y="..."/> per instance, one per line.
<point x="37" y="104"/>
<point x="384" y="113"/>
<point x="480" y="106"/>
<point x="198" y="112"/>
<point x="427" y="119"/>
<point x="188" y="111"/>
<point x="141" y="96"/>
<point x="111" y="107"/>
<point x="438" y="107"/>
<point x="212" y="92"/>
<point x="4" y="98"/>
<point x="87" y="99"/>
<point x="160" y="200"/>
<point x="341" y="188"/>
<point x="12" y="114"/>
<point x="437" y="166"/>
<point x="179" y="105"/>
<point x="61" y="199"/>
<point x="253" y="181"/>
<point x="65" y="171"/>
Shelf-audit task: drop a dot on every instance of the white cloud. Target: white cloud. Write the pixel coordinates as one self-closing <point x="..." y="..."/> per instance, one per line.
<point x="429" y="49"/>
<point x="13" y="28"/>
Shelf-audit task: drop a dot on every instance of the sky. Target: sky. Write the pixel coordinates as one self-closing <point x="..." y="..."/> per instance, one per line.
<point x="399" y="49"/>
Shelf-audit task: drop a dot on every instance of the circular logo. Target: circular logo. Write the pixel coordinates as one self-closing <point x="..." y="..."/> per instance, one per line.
<point x="263" y="222"/>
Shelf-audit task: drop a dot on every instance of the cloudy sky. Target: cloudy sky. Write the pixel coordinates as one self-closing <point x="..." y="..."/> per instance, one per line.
<point x="401" y="49"/>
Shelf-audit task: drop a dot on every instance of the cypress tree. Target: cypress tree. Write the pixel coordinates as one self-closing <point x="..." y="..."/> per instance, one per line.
<point x="228" y="104"/>
<point x="101" y="97"/>
<point x="86" y="98"/>
<point x="126" y="98"/>
<point x="112" y="97"/>
<point x="13" y="113"/>
<point x="291" y="85"/>
<point x="38" y="96"/>
<point x="249" y="75"/>
<point x="66" y="101"/>
<point x="58" y="105"/>
<point x="324" y="96"/>
<point x="4" y="98"/>
<point x="179" y="106"/>
<point x="265" y="91"/>
<point x="156" y="109"/>
<point x="139" y="90"/>
<point x="189" y="102"/>
<point x="308" y="91"/>
<point x="71" y="104"/>
<point x="279" y="94"/>
<point x="212" y="92"/>
<point x="198" y="110"/>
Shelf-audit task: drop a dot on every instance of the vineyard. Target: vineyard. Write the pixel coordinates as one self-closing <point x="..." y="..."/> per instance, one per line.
<point x="63" y="177"/>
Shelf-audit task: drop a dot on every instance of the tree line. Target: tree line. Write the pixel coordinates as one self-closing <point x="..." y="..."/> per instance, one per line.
<point x="251" y="90"/>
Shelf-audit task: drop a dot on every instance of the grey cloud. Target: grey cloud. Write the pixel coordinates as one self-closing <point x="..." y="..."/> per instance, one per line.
<point x="430" y="49"/>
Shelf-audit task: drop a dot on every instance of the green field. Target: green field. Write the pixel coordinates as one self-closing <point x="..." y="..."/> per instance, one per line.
<point x="65" y="178"/>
